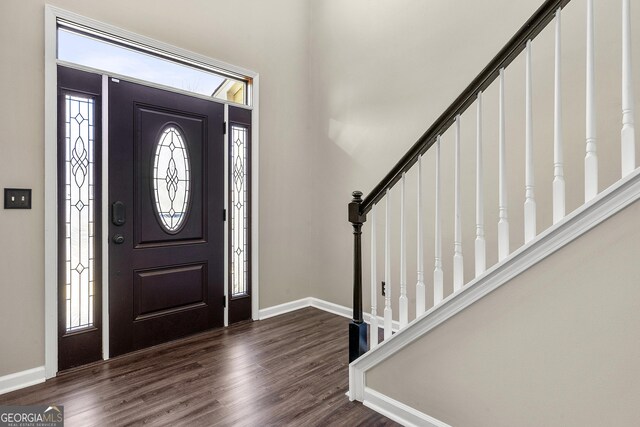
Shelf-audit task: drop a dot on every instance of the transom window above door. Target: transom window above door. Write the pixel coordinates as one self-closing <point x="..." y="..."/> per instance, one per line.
<point x="103" y="52"/>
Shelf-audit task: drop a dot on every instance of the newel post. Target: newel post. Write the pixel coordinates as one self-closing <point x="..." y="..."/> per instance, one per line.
<point x="357" y="327"/>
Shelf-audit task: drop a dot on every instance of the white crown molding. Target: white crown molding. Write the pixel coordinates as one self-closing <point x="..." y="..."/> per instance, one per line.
<point x="605" y="205"/>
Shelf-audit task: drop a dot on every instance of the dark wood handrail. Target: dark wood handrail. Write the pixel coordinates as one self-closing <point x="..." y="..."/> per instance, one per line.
<point x="507" y="54"/>
<point x="359" y="208"/>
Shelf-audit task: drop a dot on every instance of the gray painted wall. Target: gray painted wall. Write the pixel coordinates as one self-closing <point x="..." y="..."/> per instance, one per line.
<point x="346" y="88"/>
<point x="271" y="41"/>
<point x="556" y="346"/>
<point x="382" y="72"/>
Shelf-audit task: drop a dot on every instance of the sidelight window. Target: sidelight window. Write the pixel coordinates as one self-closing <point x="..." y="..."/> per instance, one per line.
<point x="239" y="210"/>
<point x="79" y="211"/>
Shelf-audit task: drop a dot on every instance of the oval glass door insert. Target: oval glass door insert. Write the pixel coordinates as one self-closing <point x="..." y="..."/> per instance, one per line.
<point x="171" y="180"/>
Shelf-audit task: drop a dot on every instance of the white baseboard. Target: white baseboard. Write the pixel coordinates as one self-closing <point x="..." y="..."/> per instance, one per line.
<point x="330" y="307"/>
<point x="397" y="411"/>
<point x="277" y="310"/>
<point x="22" y="379"/>
<point x="320" y="304"/>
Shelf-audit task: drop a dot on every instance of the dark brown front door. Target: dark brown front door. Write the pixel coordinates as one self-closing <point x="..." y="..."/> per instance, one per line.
<point x="166" y="198"/>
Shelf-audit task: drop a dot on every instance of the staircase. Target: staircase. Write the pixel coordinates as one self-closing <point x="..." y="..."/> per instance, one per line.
<point x="547" y="222"/>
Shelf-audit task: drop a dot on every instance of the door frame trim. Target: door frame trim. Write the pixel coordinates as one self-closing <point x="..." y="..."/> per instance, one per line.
<point x="105" y="218"/>
<point x="51" y="16"/>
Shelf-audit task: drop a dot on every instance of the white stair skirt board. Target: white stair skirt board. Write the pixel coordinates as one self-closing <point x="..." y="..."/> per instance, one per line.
<point x="22" y="379"/>
<point x="397" y="411"/>
<point x="603" y="206"/>
<point x="320" y="304"/>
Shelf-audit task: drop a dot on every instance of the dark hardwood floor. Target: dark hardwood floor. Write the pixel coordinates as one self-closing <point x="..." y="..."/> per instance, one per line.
<point x="289" y="370"/>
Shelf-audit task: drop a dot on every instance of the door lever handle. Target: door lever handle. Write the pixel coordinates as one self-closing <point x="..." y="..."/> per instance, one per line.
<point x="118" y="213"/>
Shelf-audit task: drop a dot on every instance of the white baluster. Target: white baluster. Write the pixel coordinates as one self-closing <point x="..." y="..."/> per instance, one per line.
<point x="373" y="323"/>
<point x="558" y="162"/>
<point x="503" y="223"/>
<point x="438" y="275"/>
<point x="627" y="134"/>
<point x="530" y="198"/>
<point x="388" y="320"/>
<point x="404" y="301"/>
<point x="591" y="158"/>
<point x="420" y="290"/>
<point x="481" y="246"/>
<point x="458" y="263"/>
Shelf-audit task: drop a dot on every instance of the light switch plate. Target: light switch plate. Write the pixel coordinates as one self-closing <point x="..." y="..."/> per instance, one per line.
<point x="17" y="198"/>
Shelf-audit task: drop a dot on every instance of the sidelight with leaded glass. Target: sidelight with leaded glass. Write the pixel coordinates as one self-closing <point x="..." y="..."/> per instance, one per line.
<point x="239" y="210"/>
<point x="79" y="202"/>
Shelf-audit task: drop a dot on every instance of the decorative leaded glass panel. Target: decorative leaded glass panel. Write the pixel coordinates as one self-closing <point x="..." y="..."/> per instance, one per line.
<point x="79" y="164"/>
<point x="171" y="179"/>
<point x="239" y="210"/>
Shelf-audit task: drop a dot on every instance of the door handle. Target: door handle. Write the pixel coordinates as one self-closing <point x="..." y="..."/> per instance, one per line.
<point x="118" y="239"/>
<point x="118" y="213"/>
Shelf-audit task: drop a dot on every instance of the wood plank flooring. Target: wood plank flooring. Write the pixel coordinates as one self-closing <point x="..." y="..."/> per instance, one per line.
<point x="289" y="370"/>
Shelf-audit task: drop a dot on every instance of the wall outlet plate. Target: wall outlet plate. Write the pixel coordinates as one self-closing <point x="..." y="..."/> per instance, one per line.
<point x="17" y="198"/>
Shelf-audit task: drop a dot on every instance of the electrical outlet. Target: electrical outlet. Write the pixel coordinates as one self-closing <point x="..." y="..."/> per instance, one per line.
<point x="384" y="290"/>
<point x="17" y="198"/>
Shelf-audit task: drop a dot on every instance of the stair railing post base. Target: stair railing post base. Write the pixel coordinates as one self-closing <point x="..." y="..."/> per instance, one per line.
<point x="357" y="340"/>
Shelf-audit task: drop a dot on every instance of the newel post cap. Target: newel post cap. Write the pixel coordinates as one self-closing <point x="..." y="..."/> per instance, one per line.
<point x="354" y="209"/>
